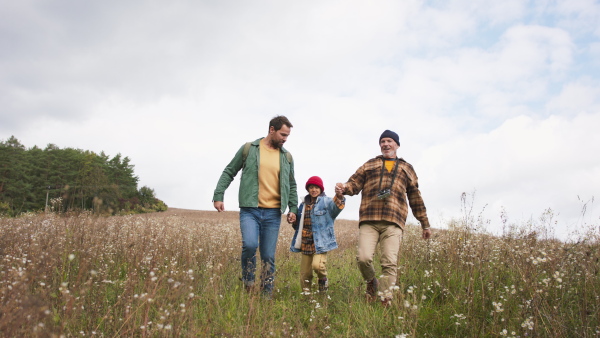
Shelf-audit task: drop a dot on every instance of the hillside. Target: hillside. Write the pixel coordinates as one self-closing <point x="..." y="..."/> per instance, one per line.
<point x="176" y="273"/>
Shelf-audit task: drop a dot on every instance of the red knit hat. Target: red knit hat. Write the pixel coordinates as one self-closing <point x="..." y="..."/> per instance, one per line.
<point x="315" y="180"/>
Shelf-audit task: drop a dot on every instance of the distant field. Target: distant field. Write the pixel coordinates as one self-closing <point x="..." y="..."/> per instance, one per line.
<point x="177" y="273"/>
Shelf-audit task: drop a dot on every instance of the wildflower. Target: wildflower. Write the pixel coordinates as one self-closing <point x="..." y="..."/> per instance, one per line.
<point x="498" y="306"/>
<point x="557" y="276"/>
<point x="71" y="257"/>
<point x="528" y="323"/>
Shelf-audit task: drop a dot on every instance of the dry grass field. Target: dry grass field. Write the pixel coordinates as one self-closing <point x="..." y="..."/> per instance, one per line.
<point x="177" y="274"/>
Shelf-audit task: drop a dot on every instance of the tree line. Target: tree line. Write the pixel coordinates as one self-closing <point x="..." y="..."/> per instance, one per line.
<point x="66" y="179"/>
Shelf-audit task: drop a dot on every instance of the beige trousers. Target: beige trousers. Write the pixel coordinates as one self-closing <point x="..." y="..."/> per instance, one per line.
<point x="389" y="237"/>
<point x="310" y="263"/>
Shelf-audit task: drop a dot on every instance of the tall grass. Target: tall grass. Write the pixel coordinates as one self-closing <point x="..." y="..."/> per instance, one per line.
<point x="177" y="274"/>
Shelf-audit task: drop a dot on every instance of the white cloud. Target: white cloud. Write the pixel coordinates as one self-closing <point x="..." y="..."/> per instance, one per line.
<point x="525" y="166"/>
<point x="577" y="97"/>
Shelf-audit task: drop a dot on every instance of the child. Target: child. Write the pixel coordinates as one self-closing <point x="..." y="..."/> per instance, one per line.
<point x="314" y="235"/>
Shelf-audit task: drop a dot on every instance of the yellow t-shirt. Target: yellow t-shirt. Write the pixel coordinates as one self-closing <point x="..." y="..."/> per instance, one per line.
<point x="269" y="195"/>
<point x="389" y="165"/>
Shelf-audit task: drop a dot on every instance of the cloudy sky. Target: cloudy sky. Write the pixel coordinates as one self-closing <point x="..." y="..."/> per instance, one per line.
<point x="497" y="99"/>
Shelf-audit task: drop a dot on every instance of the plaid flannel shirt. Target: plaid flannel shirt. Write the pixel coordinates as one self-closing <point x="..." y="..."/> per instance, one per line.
<point x="394" y="208"/>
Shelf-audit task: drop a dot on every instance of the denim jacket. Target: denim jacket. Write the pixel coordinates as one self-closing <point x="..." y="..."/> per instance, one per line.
<point x="322" y="216"/>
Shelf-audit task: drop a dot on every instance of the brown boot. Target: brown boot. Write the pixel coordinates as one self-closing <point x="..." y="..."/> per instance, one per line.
<point x="372" y="287"/>
<point x="323" y="284"/>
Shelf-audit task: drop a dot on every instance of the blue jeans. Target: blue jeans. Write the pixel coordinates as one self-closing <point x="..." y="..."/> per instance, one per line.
<point x="260" y="230"/>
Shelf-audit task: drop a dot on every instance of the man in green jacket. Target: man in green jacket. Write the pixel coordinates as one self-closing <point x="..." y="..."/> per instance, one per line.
<point x="267" y="189"/>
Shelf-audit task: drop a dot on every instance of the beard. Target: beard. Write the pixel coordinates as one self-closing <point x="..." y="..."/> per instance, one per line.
<point x="388" y="153"/>
<point x="276" y="144"/>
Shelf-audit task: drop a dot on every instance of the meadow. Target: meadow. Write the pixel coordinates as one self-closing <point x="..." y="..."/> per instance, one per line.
<point x="177" y="273"/>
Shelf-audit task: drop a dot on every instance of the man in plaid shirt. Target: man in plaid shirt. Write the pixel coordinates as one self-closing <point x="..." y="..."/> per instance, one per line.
<point x="385" y="182"/>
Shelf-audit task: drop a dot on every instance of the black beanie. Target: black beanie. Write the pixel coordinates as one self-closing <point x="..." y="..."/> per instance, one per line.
<point x="390" y="134"/>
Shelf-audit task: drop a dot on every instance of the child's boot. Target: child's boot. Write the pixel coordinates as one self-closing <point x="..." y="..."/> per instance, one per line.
<point x="323" y="284"/>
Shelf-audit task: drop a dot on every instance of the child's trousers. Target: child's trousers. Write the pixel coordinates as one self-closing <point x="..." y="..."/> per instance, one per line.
<point x="310" y="263"/>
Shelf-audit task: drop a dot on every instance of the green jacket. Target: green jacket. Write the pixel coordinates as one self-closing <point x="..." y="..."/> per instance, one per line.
<point x="248" y="194"/>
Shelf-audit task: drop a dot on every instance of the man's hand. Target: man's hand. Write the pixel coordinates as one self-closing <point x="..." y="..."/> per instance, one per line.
<point x="426" y="233"/>
<point x="219" y="206"/>
<point x="340" y="189"/>
<point x="291" y="218"/>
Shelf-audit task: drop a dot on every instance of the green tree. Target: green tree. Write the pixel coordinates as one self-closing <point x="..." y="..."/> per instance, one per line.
<point x="120" y="172"/>
<point x="14" y="186"/>
<point x="82" y="179"/>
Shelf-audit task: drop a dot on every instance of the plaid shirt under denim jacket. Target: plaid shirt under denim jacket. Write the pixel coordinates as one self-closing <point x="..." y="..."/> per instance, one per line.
<point x="393" y="208"/>
<point x="318" y="225"/>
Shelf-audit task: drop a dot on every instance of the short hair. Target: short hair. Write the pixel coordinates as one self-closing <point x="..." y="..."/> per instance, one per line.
<point x="278" y="121"/>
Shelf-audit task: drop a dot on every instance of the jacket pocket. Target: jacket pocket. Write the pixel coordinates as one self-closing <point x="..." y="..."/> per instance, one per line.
<point x="320" y="212"/>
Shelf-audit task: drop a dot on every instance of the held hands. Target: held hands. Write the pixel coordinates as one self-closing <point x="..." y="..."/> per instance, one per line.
<point x="291" y="218"/>
<point x="340" y="189"/>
